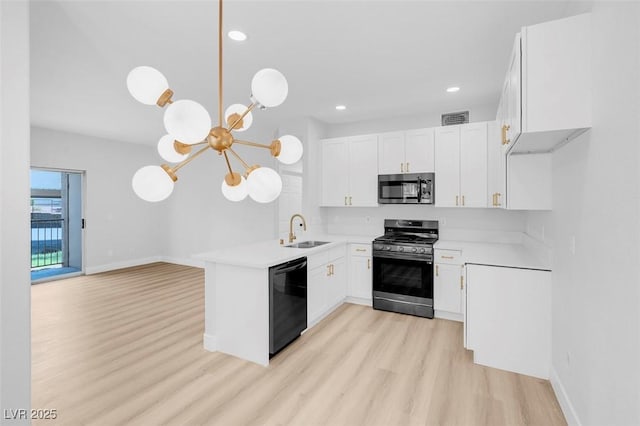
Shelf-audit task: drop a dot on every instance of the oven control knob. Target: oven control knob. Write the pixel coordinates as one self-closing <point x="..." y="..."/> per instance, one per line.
<point x="400" y="249"/>
<point x="421" y="250"/>
<point x="414" y="250"/>
<point x="387" y="248"/>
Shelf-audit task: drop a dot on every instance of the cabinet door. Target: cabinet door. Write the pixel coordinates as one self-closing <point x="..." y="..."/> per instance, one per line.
<point x="418" y="151"/>
<point x="473" y="165"/>
<point x="514" y="93"/>
<point x="335" y="179"/>
<point x="529" y="182"/>
<point x="360" y="279"/>
<point x="446" y="288"/>
<point x="447" y="166"/>
<point x="337" y="284"/>
<point x="316" y="293"/>
<point x="362" y="170"/>
<point x="391" y="153"/>
<point x="496" y="167"/>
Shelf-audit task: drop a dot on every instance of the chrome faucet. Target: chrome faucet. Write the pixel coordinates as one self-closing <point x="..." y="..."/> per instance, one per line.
<point x="292" y="236"/>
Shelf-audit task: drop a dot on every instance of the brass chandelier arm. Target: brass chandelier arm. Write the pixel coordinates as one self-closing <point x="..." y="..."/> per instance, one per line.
<point x="244" y="164"/>
<point x="239" y="120"/>
<point x="226" y="158"/>
<point x="220" y="114"/>
<point x="248" y="143"/>
<point x="188" y="160"/>
<point x="199" y="143"/>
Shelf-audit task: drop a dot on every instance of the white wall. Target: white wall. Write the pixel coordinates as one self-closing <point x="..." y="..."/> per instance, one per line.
<point x="15" y="289"/>
<point x="406" y="122"/>
<point x="121" y="230"/>
<point x="596" y="295"/>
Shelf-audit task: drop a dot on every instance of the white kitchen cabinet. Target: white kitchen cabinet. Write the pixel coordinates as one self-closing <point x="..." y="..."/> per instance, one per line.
<point x="326" y="283"/>
<point x="350" y="171"/>
<point x="496" y="166"/>
<point x="448" y="284"/>
<point x="508" y="318"/>
<point x="461" y="165"/>
<point x="410" y="151"/>
<point x="359" y="289"/>
<point x="549" y="85"/>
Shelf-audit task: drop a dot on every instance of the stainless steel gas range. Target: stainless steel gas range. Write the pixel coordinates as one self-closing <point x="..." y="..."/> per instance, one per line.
<point x="403" y="267"/>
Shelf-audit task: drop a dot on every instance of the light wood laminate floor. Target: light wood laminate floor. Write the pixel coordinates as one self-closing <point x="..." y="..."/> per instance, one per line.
<point x="125" y="347"/>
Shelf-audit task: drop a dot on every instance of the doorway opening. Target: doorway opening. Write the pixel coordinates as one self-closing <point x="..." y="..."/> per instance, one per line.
<point x="57" y="224"/>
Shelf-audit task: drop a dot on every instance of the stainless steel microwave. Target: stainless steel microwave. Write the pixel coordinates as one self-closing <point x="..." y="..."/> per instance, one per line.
<point x="408" y="188"/>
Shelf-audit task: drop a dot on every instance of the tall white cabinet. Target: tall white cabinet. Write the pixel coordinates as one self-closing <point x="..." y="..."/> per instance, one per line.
<point x="461" y="165"/>
<point x="350" y="171"/>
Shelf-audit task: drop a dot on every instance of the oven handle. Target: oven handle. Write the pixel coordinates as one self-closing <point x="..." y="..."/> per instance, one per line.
<point x="401" y="257"/>
<point x="419" y="189"/>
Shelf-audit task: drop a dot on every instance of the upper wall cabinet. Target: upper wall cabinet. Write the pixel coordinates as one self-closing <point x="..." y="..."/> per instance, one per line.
<point x="406" y="152"/>
<point x="350" y="171"/>
<point x="461" y="165"/>
<point x="546" y="98"/>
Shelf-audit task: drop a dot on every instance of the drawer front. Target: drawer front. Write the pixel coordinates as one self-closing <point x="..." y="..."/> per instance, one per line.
<point x="453" y="257"/>
<point x="337" y="252"/>
<point x="360" y="250"/>
<point x="317" y="259"/>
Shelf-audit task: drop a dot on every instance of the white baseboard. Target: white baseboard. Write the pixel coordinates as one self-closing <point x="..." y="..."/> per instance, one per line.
<point x="569" y="412"/>
<point x="210" y="342"/>
<point x="448" y="315"/>
<point x="358" y="301"/>
<point x="196" y="263"/>
<point x="90" y="270"/>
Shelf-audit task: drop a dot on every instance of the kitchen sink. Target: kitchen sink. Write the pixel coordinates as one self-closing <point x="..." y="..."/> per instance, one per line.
<point x="308" y="244"/>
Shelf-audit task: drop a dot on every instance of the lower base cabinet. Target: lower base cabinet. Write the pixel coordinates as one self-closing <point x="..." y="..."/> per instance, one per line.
<point x="326" y="283"/>
<point x="359" y="287"/>
<point x="508" y="318"/>
<point x="448" y="284"/>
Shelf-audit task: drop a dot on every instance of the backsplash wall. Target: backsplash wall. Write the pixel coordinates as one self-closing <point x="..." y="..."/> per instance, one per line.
<point x="370" y="220"/>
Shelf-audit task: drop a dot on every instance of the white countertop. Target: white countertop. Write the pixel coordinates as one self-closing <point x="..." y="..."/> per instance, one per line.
<point x="497" y="254"/>
<point x="264" y="254"/>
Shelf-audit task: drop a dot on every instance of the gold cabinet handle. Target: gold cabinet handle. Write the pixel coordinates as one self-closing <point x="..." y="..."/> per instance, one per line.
<point x="328" y="270"/>
<point x="461" y="282"/>
<point x="401" y="167"/>
<point x="463" y="200"/>
<point x="407" y="167"/>
<point x="368" y="263"/>
<point x="350" y="197"/>
<point x="505" y="129"/>
<point x="456" y="200"/>
<point x="345" y="200"/>
<point x="359" y="249"/>
<point x="332" y="270"/>
<point x="493" y="199"/>
<point x="436" y="270"/>
<point x="446" y="257"/>
<point x="498" y="203"/>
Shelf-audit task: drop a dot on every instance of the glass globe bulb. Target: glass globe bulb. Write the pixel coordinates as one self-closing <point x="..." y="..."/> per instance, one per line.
<point x="167" y="150"/>
<point x="235" y="193"/>
<point x="146" y="84"/>
<point x="239" y="109"/>
<point x="290" y="149"/>
<point x="264" y="185"/>
<point x="269" y="87"/>
<point x="187" y="121"/>
<point x="152" y="183"/>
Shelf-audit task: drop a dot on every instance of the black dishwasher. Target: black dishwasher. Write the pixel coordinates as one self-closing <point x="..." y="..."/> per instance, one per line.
<point x="287" y="303"/>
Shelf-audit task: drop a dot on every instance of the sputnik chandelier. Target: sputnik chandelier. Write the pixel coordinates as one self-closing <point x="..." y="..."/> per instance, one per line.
<point x="188" y="125"/>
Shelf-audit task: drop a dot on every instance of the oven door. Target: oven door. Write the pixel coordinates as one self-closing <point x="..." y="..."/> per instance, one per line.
<point x="401" y="276"/>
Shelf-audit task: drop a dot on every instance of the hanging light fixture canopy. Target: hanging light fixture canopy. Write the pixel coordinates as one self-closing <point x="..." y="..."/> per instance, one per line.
<point x="188" y="124"/>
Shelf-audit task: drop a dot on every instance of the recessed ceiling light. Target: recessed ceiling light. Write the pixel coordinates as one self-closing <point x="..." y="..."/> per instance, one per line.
<point x="237" y="35"/>
<point x="452" y="89"/>
<point x="341" y="107"/>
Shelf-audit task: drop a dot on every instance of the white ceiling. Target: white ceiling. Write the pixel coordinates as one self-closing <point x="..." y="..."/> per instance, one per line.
<point x="380" y="58"/>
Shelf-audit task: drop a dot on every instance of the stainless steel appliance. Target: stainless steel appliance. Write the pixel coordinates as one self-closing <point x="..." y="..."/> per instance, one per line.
<point x="403" y="267"/>
<point x="287" y="303"/>
<point x="408" y="188"/>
